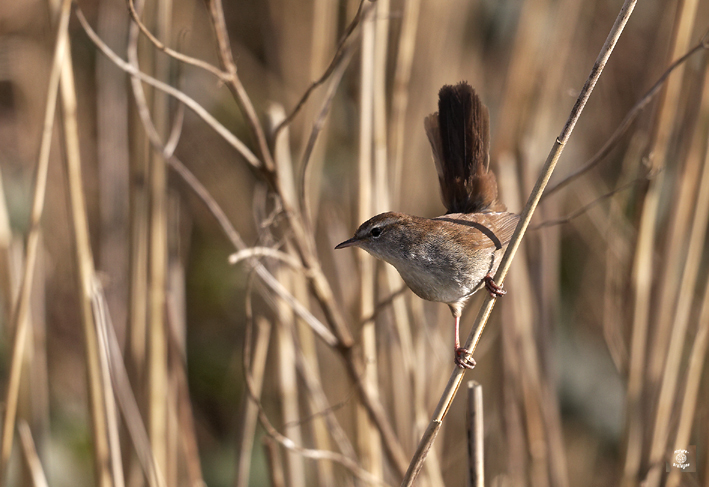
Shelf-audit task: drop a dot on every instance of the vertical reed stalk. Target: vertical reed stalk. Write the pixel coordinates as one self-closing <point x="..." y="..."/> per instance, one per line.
<point x="20" y="313"/>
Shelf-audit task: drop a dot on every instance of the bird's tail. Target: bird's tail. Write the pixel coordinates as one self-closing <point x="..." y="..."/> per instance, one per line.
<point x="460" y="138"/>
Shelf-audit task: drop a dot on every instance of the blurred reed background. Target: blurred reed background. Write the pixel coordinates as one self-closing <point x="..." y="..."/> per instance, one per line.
<point x="132" y="350"/>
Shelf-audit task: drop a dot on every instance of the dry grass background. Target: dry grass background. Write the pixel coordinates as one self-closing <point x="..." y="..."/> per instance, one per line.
<point x="130" y="344"/>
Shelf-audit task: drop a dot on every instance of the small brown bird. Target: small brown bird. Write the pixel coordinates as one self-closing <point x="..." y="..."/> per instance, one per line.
<point x="447" y="259"/>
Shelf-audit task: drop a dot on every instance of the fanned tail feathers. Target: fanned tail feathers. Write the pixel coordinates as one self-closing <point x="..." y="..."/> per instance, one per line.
<point x="460" y="139"/>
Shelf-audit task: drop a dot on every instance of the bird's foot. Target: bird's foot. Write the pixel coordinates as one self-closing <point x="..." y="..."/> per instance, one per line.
<point x="494" y="290"/>
<point x="463" y="359"/>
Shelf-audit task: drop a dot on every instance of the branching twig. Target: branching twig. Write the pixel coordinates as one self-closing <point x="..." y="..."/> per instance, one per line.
<point x="181" y="96"/>
<point x="224" y="77"/>
<point x="625" y="124"/>
<point x="585" y="208"/>
<point x="339" y="54"/>
<point x="473" y="339"/>
<point x="317" y="128"/>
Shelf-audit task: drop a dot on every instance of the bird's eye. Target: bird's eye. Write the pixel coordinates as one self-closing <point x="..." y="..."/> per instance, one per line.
<point x="376" y="231"/>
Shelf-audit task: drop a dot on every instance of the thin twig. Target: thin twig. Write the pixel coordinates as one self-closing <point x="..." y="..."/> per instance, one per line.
<point x="317" y="128"/>
<point x="123" y="390"/>
<point x="585" y="208"/>
<point x="181" y="96"/>
<point x="224" y="77"/>
<point x="339" y="54"/>
<point x="254" y="252"/>
<point x="526" y="216"/>
<point x="234" y="84"/>
<point x="625" y="124"/>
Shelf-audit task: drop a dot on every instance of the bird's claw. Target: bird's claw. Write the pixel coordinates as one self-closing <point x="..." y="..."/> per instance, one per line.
<point x="463" y="359"/>
<point x="492" y="287"/>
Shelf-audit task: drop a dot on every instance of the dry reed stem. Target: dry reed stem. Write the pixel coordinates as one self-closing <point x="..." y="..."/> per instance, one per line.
<point x="124" y="392"/>
<point x="681" y="210"/>
<point x="255" y="252"/>
<point x="99" y="310"/>
<point x="158" y="387"/>
<point x="525" y="218"/>
<point x="687" y="284"/>
<point x="275" y="466"/>
<point x="103" y="422"/>
<point x="368" y="440"/>
<point x="400" y="91"/>
<point x="643" y="262"/>
<point x="287" y="382"/>
<point x="476" y="436"/>
<point x="20" y="313"/>
<point x="697" y="358"/>
<point x="39" y="479"/>
<point x="249" y="414"/>
<point x="139" y="221"/>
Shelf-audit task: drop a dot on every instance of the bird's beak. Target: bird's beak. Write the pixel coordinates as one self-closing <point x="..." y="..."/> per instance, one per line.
<point x="348" y="243"/>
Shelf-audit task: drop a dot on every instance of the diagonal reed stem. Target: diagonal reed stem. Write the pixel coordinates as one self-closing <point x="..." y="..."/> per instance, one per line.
<point x="473" y="339"/>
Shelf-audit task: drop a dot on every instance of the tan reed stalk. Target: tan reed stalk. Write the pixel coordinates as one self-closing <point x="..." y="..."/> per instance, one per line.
<point x="643" y="264"/>
<point x="368" y="441"/>
<point x="476" y="436"/>
<point x="113" y="161"/>
<point x="517" y="94"/>
<point x="124" y="393"/>
<point x="275" y="465"/>
<point x="288" y="389"/>
<point x="669" y="277"/>
<point x="680" y="322"/>
<point x="520" y="316"/>
<point x="400" y="389"/>
<point x="105" y="442"/>
<point x="39" y="479"/>
<point x="139" y="223"/>
<point x="488" y="303"/>
<point x="288" y="386"/>
<point x="20" y="313"/>
<point x="323" y="39"/>
<point x="400" y="91"/>
<point x="249" y="409"/>
<point x="158" y="386"/>
<point x="305" y="344"/>
<point x="8" y="279"/>
<point x="697" y="358"/>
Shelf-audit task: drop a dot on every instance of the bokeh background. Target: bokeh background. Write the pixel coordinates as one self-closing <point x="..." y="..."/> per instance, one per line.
<point x="593" y="366"/>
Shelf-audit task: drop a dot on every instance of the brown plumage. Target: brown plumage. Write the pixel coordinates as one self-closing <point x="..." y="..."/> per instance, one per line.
<point x="459" y="133"/>
<point x="447" y="259"/>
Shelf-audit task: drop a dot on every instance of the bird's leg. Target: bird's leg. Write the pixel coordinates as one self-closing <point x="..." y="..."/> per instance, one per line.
<point x="462" y="356"/>
<point x="494" y="290"/>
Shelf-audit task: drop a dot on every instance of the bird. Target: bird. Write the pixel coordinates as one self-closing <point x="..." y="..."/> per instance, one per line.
<point x="449" y="258"/>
